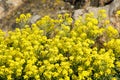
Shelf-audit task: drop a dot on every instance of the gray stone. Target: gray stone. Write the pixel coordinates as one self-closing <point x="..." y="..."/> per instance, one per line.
<point x="110" y="9"/>
<point x="82" y="12"/>
<point x="35" y="18"/>
<point x="14" y="4"/>
<point x="62" y="11"/>
<point x="1" y="12"/>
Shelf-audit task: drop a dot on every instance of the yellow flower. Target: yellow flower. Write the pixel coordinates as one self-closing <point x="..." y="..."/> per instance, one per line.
<point x="96" y="75"/>
<point x="107" y="22"/>
<point x="89" y="24"/>
<point x="61" y="20"/>
<point x="29" y="73"/>
<point x="89" y="15"/>
<point x="89" y="79"/>
<point x="59" y="69"/>
<point x="56" y="65"/>
<point x="85" y="73"/>
<point x="101" y="72"/>
<point x="9" y="77"/>
<point x="77" y="23"/>
<point x="102" y="11"/>
<point x="66" y="15"/>
<point x="28" y="15"/>
<point x="61" y="33"/>
<point x="22" y="17"/>
<point x="61" y="79"/>
<point x="59" y="16"/>
<point x="1" y="73"/>
<point x="37" y="77"/>
<point x="83" y="35"/>
<point x="55" y="74"/>
<point x="34" y="25"/>
<point x="118" y="12"/>
<point x="48" y="74"/>
<point x="104" y="15"/>
<point x="80" y="68"/>
<point x="73" y="33"/>
<point x="69" y="20"/>
<point x="94" y="21"/>
<point x="17" y="20"/>
<point x="71" y="58"/>
<point x="19" y="71"/>
<point x="46" y="62"/>
<point x="26" y="77"/>
<point x="111" y="32"/>
<point x="87" y="63"/>
<point x="118" y="64"/>
<point x="70" y="71"/>
<point x="114" y="78"/>
<point x="67" y="78"/>
<point x="108" y="71"/>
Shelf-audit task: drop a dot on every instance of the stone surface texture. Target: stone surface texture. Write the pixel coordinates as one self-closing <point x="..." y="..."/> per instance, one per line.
<point x="8" y="6"/>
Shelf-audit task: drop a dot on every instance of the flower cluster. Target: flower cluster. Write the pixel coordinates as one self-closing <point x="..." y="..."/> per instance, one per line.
<point x="58" y="49"/>
<point x="118" y="13"/>
<point x="23" y="19"/>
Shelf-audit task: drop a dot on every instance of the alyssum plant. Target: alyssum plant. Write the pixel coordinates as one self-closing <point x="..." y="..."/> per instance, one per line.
<point x="58" y="49"/>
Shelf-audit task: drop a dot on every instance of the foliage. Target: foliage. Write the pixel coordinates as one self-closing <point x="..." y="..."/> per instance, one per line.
<point x="60" y="49"/>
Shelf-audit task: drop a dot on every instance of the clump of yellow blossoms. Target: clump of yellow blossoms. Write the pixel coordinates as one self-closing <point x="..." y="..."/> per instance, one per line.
<point x="23" y="19"/>
<point x="118" y="12"/>
<point x="58" y="49"/>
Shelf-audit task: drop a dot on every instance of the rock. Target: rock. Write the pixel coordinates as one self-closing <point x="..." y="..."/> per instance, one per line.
<point x="110" y="9"/>
<point x="114" y="6"/>
<point x="80" y="3"/>
<point x="1" y="12"/>
<point x="14" y="2"/>
<point x="95" y="10"/>
<point x="35" y="18"/>
<point x="112" y="19"/>
<point x="11" y="5"/>
<point x="82" y="12"/>
<point x="62" y="11"/>
<point x="77" y="13"/>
